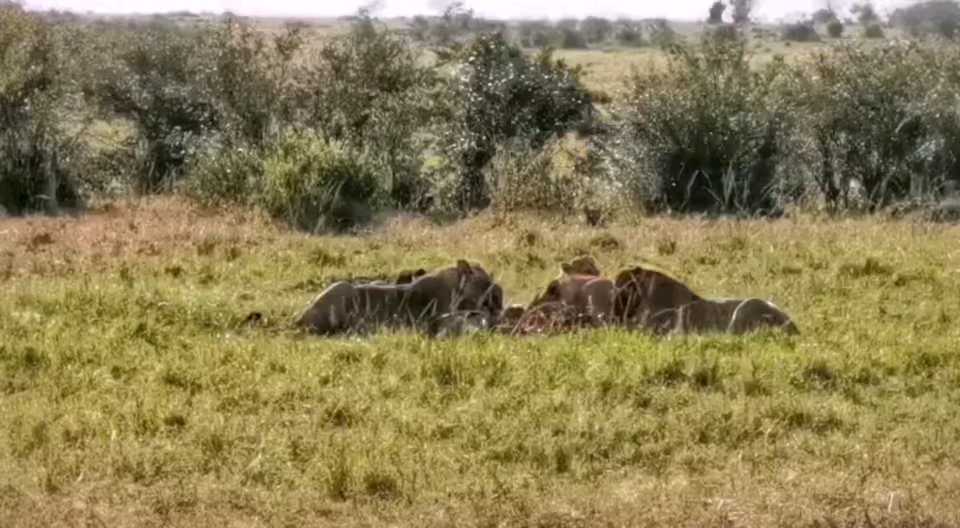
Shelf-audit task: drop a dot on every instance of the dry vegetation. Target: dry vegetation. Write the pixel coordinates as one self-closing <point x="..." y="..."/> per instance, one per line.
<point x="132" y="395"/>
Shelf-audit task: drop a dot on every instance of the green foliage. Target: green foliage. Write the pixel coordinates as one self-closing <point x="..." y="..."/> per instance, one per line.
<point x="873" y="31"/>
<point x="709" y="129"/>
<point x="869" y="128"/>
<point x="524" y="178"/>
<point x="835" y="29"/>
<point x="184" y="87"/>
<point x="39" y="162"/>
<point x="941" y="17"/>
<point x="596" y="29"/>
<point x="628" y="33"/>
<point x="742" y="9"/>
<point x="225" y="176"/>
<point x="661" y="34"/>
<point x="159" y="77"/>
<point x="571" y="38"/>
<point x="716" y="12"/>
<point x="499" y="93"/>
<point x="824" y="15"/>
<point x="369" y="89"/>
<point x="317" y="185"/>
<point x="801" y="32"/>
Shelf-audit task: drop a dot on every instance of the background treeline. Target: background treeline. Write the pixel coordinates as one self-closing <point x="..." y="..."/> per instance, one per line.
<point x="325" y="132"/>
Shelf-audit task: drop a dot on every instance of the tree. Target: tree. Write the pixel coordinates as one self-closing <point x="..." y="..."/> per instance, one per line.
<point x="865" y="12"/>
<point x="835" y="29"/>
<point x="716" y="12"/>
<point x="741" y="10"/>
<point x="596" y="29"/>
<point x="824" y="16"/>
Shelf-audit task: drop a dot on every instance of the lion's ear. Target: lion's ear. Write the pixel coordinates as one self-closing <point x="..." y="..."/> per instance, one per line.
<point x="463" y="267"/>
<point x="566" y="268"/>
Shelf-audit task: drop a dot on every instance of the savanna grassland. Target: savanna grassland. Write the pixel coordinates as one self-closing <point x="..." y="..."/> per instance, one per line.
<point x="162" y="178"/>
<point x="133" y="395"/>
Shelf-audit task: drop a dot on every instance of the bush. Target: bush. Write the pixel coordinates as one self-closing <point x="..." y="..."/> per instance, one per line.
<point x="524" y="178"/>
<point x="708" y="129"/>
<point x="160" y="81"/>
<point x="596" y="29"/>
<point x="661" y="34"/>
<point x="873" y="31"/>
<point x="225" y="176"/>
<point x="571" y="38"/>
<point x="499" y="94"/>
<point x="369" y="89"/>
<point x="184" y="87"/>
<point x="38" y="160"/>
<point x="866" y="122"/>
<point x="628" y="33"/>
<point x="801" y="32"/>
<point x="835" y="29"/>
<point x="716" y="12"/>
<point x="316" y="185"/>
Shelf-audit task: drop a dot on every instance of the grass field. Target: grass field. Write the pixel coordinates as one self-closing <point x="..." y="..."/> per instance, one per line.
<point x="132" y="395"/>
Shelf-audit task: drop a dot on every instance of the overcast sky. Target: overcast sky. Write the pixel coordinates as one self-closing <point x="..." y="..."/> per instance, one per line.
<point x="674" y="9"/>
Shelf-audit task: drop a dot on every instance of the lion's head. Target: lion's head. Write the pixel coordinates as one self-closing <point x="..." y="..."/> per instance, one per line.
<point x="641" y="292"/>
<point x="582" y="265"/>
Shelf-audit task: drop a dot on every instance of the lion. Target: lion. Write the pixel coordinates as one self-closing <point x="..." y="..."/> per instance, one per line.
<point x="734" y="316"/>
<point x="642" y="292"/>
<point x="582" y="265"/>
<point x="581" y="288"/>
<point x="345" y="306"/>
<point x="662" y="304"/>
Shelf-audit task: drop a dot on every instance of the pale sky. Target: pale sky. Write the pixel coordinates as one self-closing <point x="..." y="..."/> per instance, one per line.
<point x="673" y="9"/>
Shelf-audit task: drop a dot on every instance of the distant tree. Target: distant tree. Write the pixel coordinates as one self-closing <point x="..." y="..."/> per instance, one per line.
<point x="824" y="16"/>
<point x="866" y="14"/>
<point x="596" y="29"/>
<point x="835" y="29"/>
<point x="741" y="10"/>
<point x="716" y="12"/>
<point x="932" y="16"/>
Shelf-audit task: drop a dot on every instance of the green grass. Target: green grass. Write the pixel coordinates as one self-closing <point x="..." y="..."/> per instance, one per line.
<point x="132" y="395"/>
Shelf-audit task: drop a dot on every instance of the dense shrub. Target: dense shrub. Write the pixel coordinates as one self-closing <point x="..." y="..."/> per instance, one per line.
<point x="661" y="34"/>
<point x="524" y="178"/>
<point x="225" y="175"/>
<point x="370" y="90"/>
<point x="571" y="38"/>
<point x="317" y="185"/>
<point x="873" y="31"/>
<point x="716" y="12"/>
<point x="38" y="160"/>
<point x="801" y="32"/>
<point x="159" y="79"/>
<point x="596" y="29"/>
<point x="835" y="29"/>
<point x="863" y="112"/>
<point x="933" y="16"/>
<point x="497" y="94"/>
<point x="708" y="129"/>
<point x="628" y="33"/>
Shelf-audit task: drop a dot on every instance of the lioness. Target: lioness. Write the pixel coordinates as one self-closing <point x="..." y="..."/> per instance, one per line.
<point x="580" y="287"/>
<point x="660" y="303"/>
<point x="344" y="306"/>
<point x="642" y="292"/>
<point x="582" y="265"/>
<point x="735" y="316"/>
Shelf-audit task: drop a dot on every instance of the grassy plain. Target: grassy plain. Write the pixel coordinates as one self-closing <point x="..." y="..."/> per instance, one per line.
<point x="132" y="395"/>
